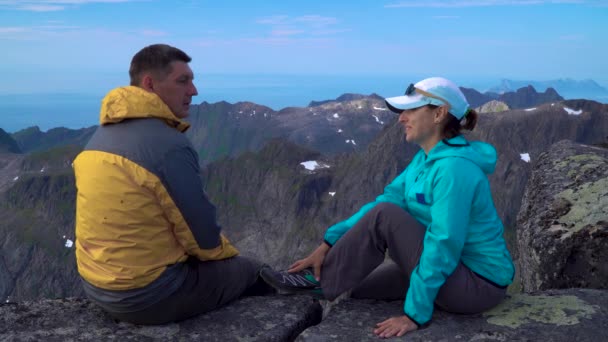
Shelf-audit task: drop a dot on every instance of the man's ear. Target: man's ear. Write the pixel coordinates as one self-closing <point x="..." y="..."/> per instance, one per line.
<point x="147" y="82"/>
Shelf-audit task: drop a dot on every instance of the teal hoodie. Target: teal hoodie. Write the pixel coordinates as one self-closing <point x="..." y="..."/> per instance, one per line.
<point x="449" y="193"/>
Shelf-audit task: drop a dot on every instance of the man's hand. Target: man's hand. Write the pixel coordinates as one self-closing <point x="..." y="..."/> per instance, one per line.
<point x="314" y="260"/>
<point x="395" y="326"/>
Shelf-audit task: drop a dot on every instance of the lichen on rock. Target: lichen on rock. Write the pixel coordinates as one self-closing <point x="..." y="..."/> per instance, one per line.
<point x="562" y="225"/>
<point x="522" y="309"/>
<point x="589" y="204"/>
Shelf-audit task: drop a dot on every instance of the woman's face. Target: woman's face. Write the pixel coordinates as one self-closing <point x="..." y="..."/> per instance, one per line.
<point x="418" y="123"/>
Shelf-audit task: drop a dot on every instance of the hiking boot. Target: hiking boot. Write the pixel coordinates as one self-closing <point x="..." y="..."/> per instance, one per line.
<point x="303" y="282"/>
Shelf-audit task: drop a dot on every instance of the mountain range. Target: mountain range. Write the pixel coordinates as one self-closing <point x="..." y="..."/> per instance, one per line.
<point x="525" y="97"/>
<point x="567" y="87"/>
<point x="346" y="124"/>
<point x="271" y="206"/>
<point x="7" y="143"/>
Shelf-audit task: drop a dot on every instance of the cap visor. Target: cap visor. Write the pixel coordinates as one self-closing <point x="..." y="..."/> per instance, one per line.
<point x="398" y="104"/>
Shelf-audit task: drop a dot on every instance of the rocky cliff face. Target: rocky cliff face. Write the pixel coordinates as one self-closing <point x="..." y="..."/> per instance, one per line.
<point x="563" y="222"/>
<point x="275" y="209"/>
<point x="37" y="258"/>
<point x="222" y="129"/>
<point x="37" y="205"/>
<point x="265" y="199"/>
<point x="7" y="143"/>
<point x="519" y="134"/>
<point x="344" y="125"/>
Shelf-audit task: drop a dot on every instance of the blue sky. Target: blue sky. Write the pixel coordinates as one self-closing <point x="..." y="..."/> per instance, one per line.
<point x="86" y="45"/>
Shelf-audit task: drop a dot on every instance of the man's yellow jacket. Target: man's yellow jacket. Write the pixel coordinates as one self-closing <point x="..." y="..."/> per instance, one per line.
<point x="141" y="207"/>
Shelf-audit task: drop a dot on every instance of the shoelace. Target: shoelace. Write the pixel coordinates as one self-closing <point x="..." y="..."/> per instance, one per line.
<point x="297" y="280"/>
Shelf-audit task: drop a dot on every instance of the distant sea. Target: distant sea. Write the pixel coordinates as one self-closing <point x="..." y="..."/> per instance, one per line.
<point x="77" y="108"/>
<point x="48" y="111"/>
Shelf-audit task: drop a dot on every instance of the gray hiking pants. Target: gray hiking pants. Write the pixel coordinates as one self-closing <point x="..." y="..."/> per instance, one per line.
<point x="208" y="286"/>
<point x="353" y="264"/>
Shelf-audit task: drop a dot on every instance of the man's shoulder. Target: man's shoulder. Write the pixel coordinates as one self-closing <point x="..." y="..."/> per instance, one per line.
<point x="145" y="141"/>
<point x="149" y="130"/>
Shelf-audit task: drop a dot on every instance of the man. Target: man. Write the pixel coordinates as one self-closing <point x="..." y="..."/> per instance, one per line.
<point x="148" y="247"/>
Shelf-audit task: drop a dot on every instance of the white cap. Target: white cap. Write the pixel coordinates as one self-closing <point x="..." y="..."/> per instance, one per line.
<point x="437" y="91"/>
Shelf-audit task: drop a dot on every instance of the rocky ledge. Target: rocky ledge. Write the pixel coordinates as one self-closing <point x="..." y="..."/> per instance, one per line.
<point x="554" y="315"/>
<point x="270" y="318"/>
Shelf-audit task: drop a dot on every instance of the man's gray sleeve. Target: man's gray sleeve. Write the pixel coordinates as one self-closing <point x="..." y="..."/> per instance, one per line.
<point x="181" y="178"/>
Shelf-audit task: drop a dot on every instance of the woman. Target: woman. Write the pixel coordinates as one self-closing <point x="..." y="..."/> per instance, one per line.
<point x="437" y="220"/>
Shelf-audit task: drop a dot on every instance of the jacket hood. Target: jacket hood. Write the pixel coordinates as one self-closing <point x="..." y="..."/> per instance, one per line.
<point x="136" y="103"/>
<point x="480" y="153"/>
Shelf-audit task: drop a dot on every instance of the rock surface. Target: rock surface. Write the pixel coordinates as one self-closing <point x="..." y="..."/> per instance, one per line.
<point x="555" y="315"/>
<point x="516" y="132"/>
<point x="270" y="318"/>
<point x="563" y="222"/>
<point x="493" y="106"/>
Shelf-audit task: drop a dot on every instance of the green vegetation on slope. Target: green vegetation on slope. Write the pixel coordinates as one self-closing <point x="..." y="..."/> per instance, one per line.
<point x="32" y="139"/>
<point x="7" y="143"/>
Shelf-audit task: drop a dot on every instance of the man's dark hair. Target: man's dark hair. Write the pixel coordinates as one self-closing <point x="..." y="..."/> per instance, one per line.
<point x="155" y="59"/>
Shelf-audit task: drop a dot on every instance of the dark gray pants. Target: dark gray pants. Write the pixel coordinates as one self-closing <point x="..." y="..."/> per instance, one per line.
<point x="352" y="264"/>
<point x="208" y="286"/>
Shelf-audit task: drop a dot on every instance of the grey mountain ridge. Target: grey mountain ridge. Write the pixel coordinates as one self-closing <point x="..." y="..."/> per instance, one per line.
<point x="32" y="139"/>
<point x="7" y="143"/>
<point x="524" y="97"/>
<point x="346" y="124"/>
<point x="567" y="87"/>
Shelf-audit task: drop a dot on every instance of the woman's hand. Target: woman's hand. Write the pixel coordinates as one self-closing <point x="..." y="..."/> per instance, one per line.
<point x="314" y="260"/>
<point x="395" y="326"/>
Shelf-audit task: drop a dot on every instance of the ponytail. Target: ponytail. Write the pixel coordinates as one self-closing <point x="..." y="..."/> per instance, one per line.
<point x="454" y="126"/>
<point x="470" y="120"/>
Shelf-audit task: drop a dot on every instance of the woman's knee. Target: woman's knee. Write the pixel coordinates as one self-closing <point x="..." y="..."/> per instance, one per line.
<point x="387" y="207"/>
<point x="389" y="213"/>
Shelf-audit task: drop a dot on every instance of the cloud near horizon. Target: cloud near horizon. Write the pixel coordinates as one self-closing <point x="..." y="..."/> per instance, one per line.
<point x="285" y="29"/>
<point x="37" y="32"/>
<point x="4" y="30"/>
<point x="487" y="3"/>
<point x="50" y="5"/>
